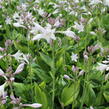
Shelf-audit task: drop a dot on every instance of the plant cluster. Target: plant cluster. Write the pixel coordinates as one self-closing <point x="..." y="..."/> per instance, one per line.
<point x="54" y="54"/>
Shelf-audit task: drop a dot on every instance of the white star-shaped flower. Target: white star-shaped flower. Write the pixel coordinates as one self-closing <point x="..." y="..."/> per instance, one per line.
<point x="44" y="33"/>
<point x="79" y="27"/>
<point x="74" y="57"/>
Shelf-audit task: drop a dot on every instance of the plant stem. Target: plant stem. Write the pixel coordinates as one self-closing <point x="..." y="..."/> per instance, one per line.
<point x="62" y="106"/>
<point x="53" y="71"/>
<point x="53" y="94"/>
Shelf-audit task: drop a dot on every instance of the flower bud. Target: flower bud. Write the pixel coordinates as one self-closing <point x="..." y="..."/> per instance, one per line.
<point x="67" y="77"/>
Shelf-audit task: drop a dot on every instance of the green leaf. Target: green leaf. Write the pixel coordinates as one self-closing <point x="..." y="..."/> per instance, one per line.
<point x="42" y="74"/>
<point x="60" y="62"/>
<point x="70" y="93"/>
<point x="106" y="95"/>
<point x="88" y="95"/>
<point x="99" y="98"/>
<point x="41" y="97"/>
<point x="47" y="59"/>
<point x="22" y="90"/>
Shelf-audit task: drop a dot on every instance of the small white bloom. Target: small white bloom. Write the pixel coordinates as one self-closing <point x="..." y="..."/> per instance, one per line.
<point x="0" y="26"/>
<point x="37" y="1"/>
<point x="93" y="33"/>
<point x="1" y="72"/>
<point x="90" y="21"/>
<point x="67" y="77"/>
<point x="17" y="55"/>
<point x="18" y="25"/>
<point x="1" y="56"/>
<point x="76" y="1"/>
<point x="91" y="107"/>
<point x="106" y="2"/>
<point x="2" y="87"/>
<point x="56" y="11"/>
<point x="19" y="68"/>
<point x="107" y="76"/>
<point x="20" y="57"/>
<point x="19" y="21"/>
<point x="57" y="23"/>
<point x="81" y="73"/>
<point x="16" y="16"/>
<point x="105" y="62"/>
<point x="1" y="49"/>
<point x="73" y="13"/>
<point x="69" y="33"/>
<point x="79" y="27"/>
<point x="8" y="20"/>
<point x="41" y="12"/>
<point x="74" y="57"/>
<point x="22" y="7"/>
<point x="94" y="2"/>
<point x="102" y="67"/>
<point x="45" y="33"/>
<point x="34" y="105"/>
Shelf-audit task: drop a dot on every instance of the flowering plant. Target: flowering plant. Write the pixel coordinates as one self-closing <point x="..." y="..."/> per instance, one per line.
<point x="54" y="54"/>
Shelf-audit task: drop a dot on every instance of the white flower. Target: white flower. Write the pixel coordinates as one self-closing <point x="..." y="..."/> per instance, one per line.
<point x="8" y="20"/>
<point x="17" y="55"/>
<point x="19" y="68"/>
<point x="56" y="11"/>
<point x="73" y="13"/>
<point x="1" y="56"/>
<point x="105" y="62"/>
<point x="34" y="105"/>
<point x="57" y="23"/>
<point x="107" y="76"/>
<point x="102" y="67"/>
<point x="0" y="26"/>
<point x="74" y="57"/>
<point x="106" y="2"/>
<point x="18" y="25"/>
<point x="94" y="2"/>
<point x="76" y="1"/>
<point x="20" y="57"/>
<point x="2" y="89"/>
<point x="90" y="21"/>
<point x="91" y="107"/>
<point x="18" y="21"/>
<point x="45" y="33"/>
<point x="41" y="12"/>
<point x="92" y="33"/>
<point x="67" y="77"/>
<point x="69" y="33"/>
<point x="2" y="49"/>
<point x="16" y="16"/>
<point x="22" y="7"/>
<point x="37" y="1"/>
<point x="79" y="27"/>
<point x="2" y="74"/>
<point x="81" y="73"/>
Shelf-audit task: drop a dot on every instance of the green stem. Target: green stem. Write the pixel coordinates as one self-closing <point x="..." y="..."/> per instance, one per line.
<point x="31" y="82"/>
<point x="62" y="106"/>
<point x="53" y="94"/>
<point x="53" y="71"/>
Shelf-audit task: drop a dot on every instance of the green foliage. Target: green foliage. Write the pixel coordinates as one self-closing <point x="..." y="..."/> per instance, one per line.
<point x="69" y="93"/>
<point x="50" y="76"/>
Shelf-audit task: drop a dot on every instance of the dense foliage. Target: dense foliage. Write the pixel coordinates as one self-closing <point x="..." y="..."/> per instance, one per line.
<point x="54" y="54"/>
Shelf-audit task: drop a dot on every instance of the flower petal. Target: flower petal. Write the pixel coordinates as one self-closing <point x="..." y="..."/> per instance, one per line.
<point x="37" y="37"/>
<point x="34" y="105"/>
<point x="19" y="68"/>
